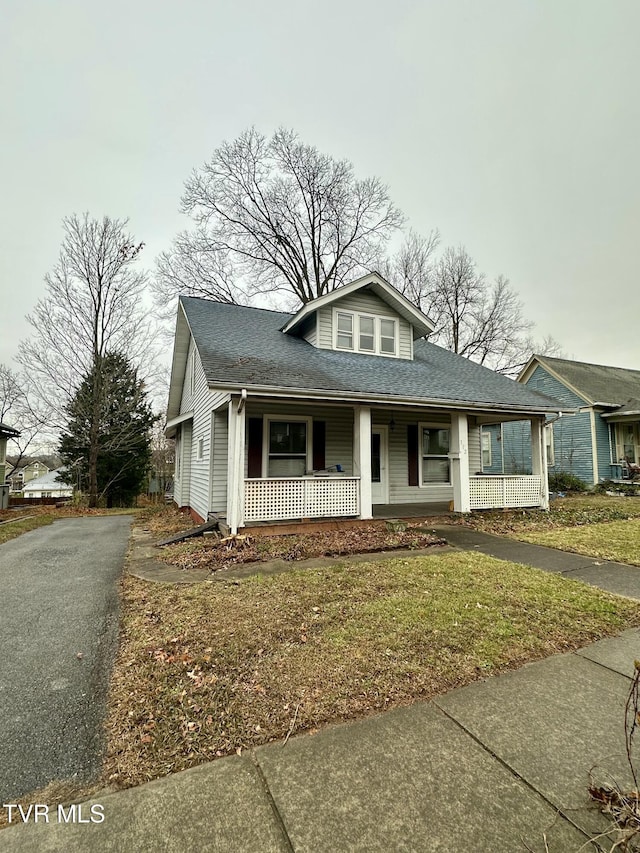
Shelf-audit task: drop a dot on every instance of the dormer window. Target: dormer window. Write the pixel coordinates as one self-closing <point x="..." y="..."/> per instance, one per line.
<point x="367" y="333"/>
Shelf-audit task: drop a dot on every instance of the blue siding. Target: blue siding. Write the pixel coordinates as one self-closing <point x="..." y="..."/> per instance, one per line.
<point x="543" y="382"/>
<point x="496" y="449"/>
<point x="517" y="447"/>
<point x="604" y="447"/>
<point x="571" y="434"/>
<point x="572" y="446"/>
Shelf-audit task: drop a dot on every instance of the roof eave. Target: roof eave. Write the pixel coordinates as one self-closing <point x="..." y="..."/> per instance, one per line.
<point x="359" y="397"/>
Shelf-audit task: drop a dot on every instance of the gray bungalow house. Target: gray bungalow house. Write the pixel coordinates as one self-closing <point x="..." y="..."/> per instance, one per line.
<point x="342" y="410"/>
<point x="600" y="441"/>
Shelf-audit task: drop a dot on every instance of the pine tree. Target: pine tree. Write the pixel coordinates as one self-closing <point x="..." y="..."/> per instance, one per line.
<point x="106" y="446"/>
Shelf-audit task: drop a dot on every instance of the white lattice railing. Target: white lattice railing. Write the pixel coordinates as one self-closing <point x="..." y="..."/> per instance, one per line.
<point x="278" y="499"/>
<point x="497" y="492"/>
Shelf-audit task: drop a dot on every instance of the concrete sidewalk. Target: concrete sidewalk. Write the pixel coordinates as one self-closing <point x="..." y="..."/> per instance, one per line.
<point x="494" y="767"/>
<point x="618" y="578"/>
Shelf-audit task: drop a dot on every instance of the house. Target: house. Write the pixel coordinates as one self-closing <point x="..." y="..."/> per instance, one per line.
<point x="20" y="470"/>
<point x="600" y="441"/>
<point x="6" y="432"/>
<point x="340" y="410"/>
<point x="47" y="486"/>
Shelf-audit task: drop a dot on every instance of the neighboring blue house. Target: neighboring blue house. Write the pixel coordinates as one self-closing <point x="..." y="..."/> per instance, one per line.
<point x="597" y="443"/>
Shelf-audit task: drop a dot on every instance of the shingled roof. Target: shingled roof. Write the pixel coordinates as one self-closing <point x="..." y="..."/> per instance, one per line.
<point x="597" y="383"/>
<point x="245" y="348"/>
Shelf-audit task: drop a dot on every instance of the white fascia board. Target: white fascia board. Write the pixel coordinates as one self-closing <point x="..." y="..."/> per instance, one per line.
<point x="181" y="342"/>
<point x="383" y="400"/>
<point x="420" y="322"/>
<point x="169" y="427"/>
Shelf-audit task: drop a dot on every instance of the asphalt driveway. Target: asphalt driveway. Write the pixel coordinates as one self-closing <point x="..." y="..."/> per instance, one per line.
<point x="58" y="636"/>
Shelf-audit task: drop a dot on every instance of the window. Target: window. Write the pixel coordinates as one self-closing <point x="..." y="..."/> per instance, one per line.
<point x="344" y="331"/>
<point x="287" y="447"/>
<point x="200" y="448"/>
<point x="548" y="437"/>
<point x="434" y="457"/>
<point x="365" y="333"/>
<point x="486" y="450"/>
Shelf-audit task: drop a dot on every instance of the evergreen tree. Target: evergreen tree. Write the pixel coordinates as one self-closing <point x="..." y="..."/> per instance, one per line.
<point x="109" y="431"/>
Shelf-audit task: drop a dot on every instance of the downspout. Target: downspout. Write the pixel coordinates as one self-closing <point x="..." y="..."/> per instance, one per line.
<point x="243" y="400"/>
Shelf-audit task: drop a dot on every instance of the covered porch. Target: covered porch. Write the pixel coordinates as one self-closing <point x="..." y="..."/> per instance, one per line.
<point x="324" y="460"/>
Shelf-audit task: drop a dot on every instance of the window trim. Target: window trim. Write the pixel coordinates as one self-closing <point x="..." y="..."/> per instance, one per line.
<point x="484" y="433"/>
<point x="200" y="449"/>
<point x="422" y="425"/>
<point x="267" y="419"/>
<point x="355" y="326"/>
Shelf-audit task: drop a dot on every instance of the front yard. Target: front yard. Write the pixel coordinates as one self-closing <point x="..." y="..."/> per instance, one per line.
<point x="214" y="668"/>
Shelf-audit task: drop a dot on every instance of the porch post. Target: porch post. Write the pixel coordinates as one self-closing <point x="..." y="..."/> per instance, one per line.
<point x="459" y="456"/>
<point x="539" y="458"/>
<point x="235" y="465"/>
<point x="362" y="456"/>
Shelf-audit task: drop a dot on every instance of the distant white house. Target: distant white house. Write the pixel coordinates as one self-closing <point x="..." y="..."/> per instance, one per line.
<point x="47" y="486"/>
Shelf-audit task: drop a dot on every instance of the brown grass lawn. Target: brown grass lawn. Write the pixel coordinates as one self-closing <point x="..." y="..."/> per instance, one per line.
<point x="613" y="540"/>
<point x="212" y="668"/>
<point x="16" y="527"/>
<point x="572" y="511"/>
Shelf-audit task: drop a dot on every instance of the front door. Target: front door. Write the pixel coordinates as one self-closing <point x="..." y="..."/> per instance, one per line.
<point x="379" y="465"/>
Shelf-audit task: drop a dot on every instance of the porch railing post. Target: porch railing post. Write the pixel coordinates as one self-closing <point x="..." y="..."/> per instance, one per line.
<point x="362" y="457"/>
<point x="235" y="465"/>
<point x="539" y="459"/>
<point x="459" y="457"/>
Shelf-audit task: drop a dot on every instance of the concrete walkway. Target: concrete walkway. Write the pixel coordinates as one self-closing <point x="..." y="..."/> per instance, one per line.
<point x="618" y="578"/>
<point x="495" y="767"/>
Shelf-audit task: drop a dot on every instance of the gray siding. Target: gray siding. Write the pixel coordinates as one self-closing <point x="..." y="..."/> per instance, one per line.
<point x="367" y="303"/>
<point x="220" y="461"/>
<point x="475" y="450"/>
<point x="399" y="489"/>
<point x="339" y="428"/>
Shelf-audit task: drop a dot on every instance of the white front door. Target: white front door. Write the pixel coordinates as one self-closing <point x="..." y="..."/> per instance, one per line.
<point x="379" y="465"/>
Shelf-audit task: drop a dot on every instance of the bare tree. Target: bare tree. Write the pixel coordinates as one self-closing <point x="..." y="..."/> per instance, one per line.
<point x="93" y="306"/>
<point x="19" y="410"/>
<point x="274" y="215"/>
<point x="410" y="269"/>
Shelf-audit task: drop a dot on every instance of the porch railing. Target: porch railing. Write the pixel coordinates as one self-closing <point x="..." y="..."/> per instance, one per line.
<point x="494" y="492"/>
<point x="279" y="498"/>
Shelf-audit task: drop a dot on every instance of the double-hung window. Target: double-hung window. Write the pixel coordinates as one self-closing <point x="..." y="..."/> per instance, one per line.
<point x="434" y="456"/>
<point x="367" y="333"/>
<point x="486" y="449"/>
<point x="287" y="447"/>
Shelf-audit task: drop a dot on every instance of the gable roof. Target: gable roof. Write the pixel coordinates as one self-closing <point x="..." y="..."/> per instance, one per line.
<point x="374" y="282"/>
<point x="242" y="347"/>
<point x="596" y="383"/>
<point x="48" y="482"/>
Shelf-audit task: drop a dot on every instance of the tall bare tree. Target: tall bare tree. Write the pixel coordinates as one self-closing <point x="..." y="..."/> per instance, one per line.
<point x="274" y="215"/>
<point x="93" y="307"/>
<point x="410" y="268"/>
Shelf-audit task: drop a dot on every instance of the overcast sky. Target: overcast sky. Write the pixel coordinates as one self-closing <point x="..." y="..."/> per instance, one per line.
<point x="512" y="126"/>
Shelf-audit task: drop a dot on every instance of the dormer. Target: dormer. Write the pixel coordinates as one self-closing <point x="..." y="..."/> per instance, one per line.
<point x="367" y="316"/>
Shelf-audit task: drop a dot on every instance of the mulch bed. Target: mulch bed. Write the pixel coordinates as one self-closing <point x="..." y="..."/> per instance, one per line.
<point x="216" y="555"/>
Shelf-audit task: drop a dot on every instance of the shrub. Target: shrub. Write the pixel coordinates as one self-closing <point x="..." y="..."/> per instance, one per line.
<point x="565" y="482"/>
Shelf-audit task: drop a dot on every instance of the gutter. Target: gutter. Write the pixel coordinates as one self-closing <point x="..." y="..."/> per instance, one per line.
<point x="340" y="396"/>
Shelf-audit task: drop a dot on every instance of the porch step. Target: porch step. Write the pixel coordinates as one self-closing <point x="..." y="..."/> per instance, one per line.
<point x="221" y="520"/>
<point x="188" y="534"/>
